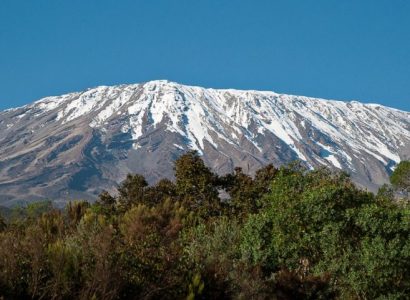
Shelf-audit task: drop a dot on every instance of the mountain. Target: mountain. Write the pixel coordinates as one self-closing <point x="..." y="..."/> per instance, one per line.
<point x="75" y="145"/>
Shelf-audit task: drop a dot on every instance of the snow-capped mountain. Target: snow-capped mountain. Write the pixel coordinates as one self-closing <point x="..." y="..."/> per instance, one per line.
<point x="75" y="145"/>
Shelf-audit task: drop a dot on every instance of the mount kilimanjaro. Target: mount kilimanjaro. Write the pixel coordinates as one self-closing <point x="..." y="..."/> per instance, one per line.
<point x="75" y="145"/>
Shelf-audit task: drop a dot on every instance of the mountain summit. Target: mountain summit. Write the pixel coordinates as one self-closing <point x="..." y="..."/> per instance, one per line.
<point x="75" y="145"/>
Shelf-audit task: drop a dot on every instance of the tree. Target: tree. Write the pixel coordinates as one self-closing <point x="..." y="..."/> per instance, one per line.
<point x="196" y="184"/>
<point x="106" y="200"/>
<point x="306" y="209"/>
<point x="131" y="191"/>
<point x="214" y="252"/>
<point x="163" y="190"/>
<point x="75" y="211"/>
<point x="2" y="223"/>
<point x="106" y="203"/>
<point x="31" y="211"/>
<point x="321" y="236"/>
<point x="242" y="192"/>
<point x="151" y="258"/>
<point x="400" y="179"/>
<point x="263" y="179"/>
<point x="379" y="265"/>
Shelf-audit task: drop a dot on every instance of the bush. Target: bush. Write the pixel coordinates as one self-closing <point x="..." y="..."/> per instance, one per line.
<point x="282" y="234"/>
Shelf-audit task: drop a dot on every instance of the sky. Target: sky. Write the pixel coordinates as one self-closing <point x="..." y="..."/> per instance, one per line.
<point x="344" y="50"/>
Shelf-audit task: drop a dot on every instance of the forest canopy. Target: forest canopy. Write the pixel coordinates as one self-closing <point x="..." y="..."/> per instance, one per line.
<point x="285" y="233"/>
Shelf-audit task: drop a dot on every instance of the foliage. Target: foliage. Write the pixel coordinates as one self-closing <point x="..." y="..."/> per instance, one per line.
<point x="400" y="178"/>
<point x="281" y="234"/>
<point x="245" y="191"/>
<point x="321" y="226"/>
<point x="196" y="185"/>
<point x="3" y="224"/>
<point x="30" y="211"/>
<point x="131" y="191"/>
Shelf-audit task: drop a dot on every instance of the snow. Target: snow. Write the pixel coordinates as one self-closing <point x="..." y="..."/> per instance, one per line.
<point x="200" y="115"/>
<point x="179" y="147"/>
<point x="87" y="102"/>
<point x="48" y="104"/>
<point x="328" y="154"/>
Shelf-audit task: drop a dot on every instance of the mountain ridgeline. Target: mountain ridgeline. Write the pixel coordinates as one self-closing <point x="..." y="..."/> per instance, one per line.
<point x="75" y="145"/>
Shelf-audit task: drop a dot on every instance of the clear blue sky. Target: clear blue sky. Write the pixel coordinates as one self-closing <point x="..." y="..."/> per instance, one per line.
<point x="347" y="50"/>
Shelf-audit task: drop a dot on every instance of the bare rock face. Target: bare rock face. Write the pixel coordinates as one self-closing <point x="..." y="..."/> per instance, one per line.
<point x="75" y="145"/>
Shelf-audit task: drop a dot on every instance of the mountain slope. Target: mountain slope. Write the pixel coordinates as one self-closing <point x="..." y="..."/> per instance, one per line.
<point x="74" y="145"/>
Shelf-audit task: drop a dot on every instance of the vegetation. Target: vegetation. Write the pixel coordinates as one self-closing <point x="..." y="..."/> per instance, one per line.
<point x="400" y="178"/>
<point x="286" y="233"/>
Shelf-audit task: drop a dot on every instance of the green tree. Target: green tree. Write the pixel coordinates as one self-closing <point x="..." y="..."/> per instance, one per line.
<point x="196" y="184"/>
<point x="106" y="200"/>
<point x="14" y="265"/>
<point x="106" y="204"/>
<point x="242" y="192"/>
<point x="151" y="259"/>
<point x="132" y="191"/>
<point x="3" y="224"/>
<point x="31" y="211"/>
<point x="264" y="178"/>
<point x="164" y="189"/>
<point x="214" y="251"/>
<point x="378" y="266"/>
<point x="64" y="259"/>
<point x="245" y="191"/>
<point x="400" y="178"/>
<point x="323" y="237"/>
<point x="75" y="211"/>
